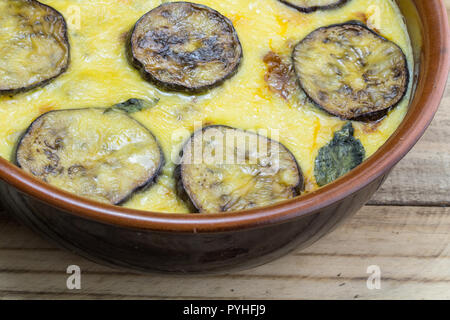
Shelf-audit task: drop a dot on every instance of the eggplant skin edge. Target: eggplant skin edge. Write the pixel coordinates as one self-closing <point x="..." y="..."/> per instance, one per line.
<point x="63" y="70"/>
<point x="180" y="188"/>
<point x="175" y="87"/>
<point x="315" y="8"/>
<point x="150" y="182"/>
<point x="367" y="117"/>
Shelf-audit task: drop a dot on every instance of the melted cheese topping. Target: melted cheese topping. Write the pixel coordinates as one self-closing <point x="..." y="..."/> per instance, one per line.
<point x="100" y="75"/>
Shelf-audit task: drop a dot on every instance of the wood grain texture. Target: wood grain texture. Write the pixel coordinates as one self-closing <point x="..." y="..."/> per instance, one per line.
<point x="409" y="244"/>
<point x="405" y="230"/>
<point x="423" y="176"/>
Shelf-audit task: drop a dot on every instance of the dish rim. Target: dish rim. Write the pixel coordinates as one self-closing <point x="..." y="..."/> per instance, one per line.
<point x="434" y="67"/>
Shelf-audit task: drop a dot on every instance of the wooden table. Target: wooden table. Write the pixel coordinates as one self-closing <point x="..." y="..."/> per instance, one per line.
<point x="405" y="231"/>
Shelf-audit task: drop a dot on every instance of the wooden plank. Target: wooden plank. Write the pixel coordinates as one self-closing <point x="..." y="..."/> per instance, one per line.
<point x="447" y="4"/>
<point x="423" y="176"/>
<point x="409" y="244"/>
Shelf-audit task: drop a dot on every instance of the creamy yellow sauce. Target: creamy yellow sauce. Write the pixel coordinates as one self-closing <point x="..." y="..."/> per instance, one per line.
<point x="100" y="75"/>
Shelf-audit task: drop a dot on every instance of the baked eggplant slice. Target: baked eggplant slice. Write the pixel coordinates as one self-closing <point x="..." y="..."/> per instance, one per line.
<point x="308" y="6"/>
<point x="104" y="156"/>
<point x="34" y="46"/>
<point x="351" y="71"/>
<point x="341" y="155"/>
<point x="226" y="169"/>
<point x="186" y="47"/>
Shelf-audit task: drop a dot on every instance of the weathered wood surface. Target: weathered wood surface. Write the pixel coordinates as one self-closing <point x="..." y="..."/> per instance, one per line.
<point x="409" y="244"/>
<point x="405" y="231"/>
<point x="423" y="176"/>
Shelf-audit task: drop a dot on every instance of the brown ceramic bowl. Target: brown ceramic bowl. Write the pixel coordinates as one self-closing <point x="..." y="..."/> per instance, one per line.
<point x="158" y="242"/>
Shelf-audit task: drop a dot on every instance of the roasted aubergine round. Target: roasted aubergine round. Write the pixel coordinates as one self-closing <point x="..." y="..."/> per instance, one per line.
<point x="226" y="169"/>
<point x="186" y="47"/>
<point x="101" y="154"/>
<point x="351" y="71"/>
<point x="34" y="46"/>
<point x="308" y="6"/>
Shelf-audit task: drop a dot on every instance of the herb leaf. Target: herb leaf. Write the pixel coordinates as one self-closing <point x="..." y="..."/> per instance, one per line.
<point x="338" y="157"/>
<point x="135" y="105"/>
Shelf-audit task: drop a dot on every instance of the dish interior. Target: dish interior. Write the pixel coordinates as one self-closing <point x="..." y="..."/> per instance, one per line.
<point x="100" y="75"/>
